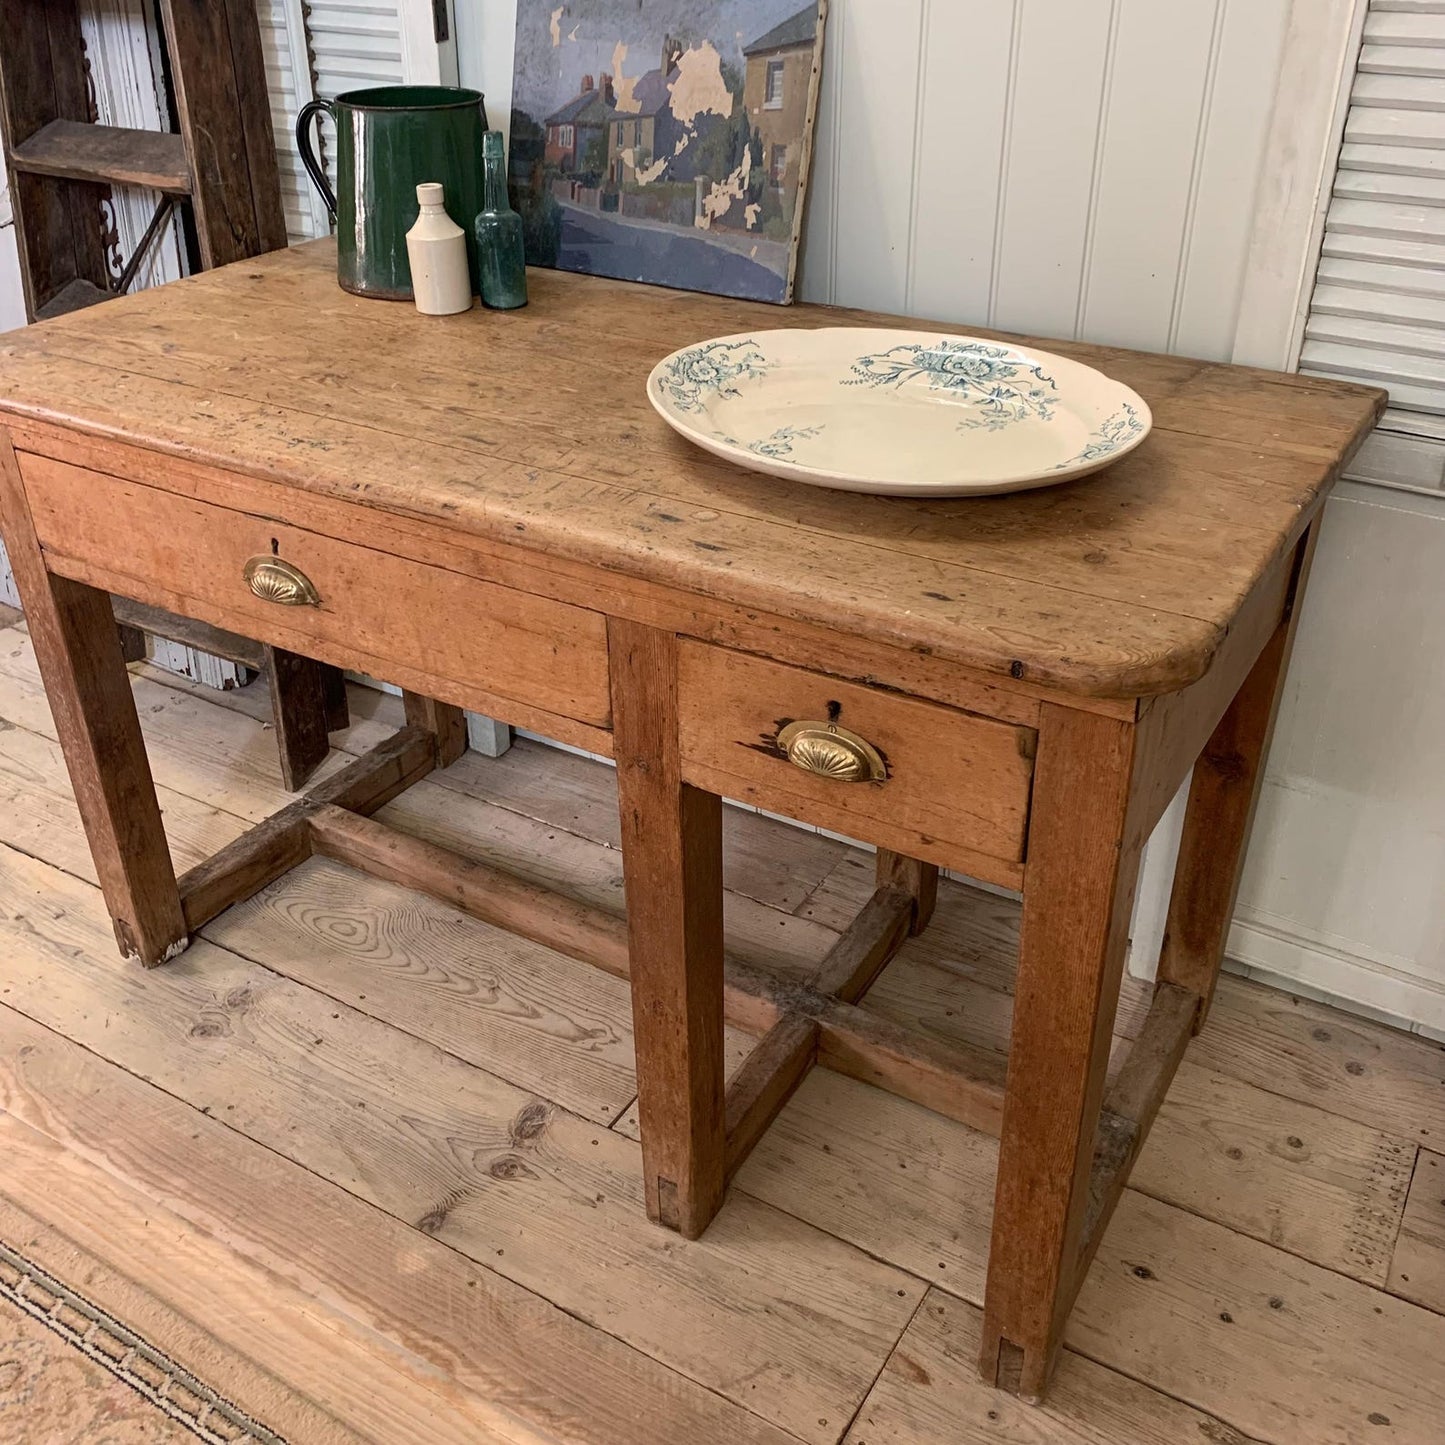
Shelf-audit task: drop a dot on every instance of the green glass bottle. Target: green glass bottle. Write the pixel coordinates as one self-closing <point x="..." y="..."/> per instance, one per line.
<point x="499" y="234"/>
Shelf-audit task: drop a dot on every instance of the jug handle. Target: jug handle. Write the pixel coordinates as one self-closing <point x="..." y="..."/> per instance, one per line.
<point x="311" y="109"/>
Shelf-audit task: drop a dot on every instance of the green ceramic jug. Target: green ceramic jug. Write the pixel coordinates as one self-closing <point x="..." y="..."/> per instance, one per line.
<point x="388" y="141"/>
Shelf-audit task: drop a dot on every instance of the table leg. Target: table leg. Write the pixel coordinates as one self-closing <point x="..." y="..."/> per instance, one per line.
<point x="1078" y="889"/>
<point x="918" y="879"/>
<point x="72" y="628"/>
<point x="446" y="723"/>
<point x="333" y="689"/>
<point x="298" y="713"/>
<point x="1222" y="799"/>
<point x="672" y="867"/>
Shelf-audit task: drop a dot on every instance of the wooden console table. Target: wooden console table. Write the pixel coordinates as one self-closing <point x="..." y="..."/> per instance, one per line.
<point x="485" y="510"/>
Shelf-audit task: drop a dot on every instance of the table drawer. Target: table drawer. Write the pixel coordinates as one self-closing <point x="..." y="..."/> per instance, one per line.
<point x="955" y="786"/>
<point x="400" y="619"/>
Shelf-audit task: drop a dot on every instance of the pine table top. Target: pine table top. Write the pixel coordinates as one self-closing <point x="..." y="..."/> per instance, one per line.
<point x="533" y="429"/>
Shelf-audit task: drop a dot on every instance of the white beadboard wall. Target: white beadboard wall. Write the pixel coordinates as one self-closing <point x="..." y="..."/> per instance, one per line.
<point x="1343" y="889"/>
<point x="1079" y="168"/>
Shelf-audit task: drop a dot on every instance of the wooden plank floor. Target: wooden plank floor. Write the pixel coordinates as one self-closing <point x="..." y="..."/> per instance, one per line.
<point x="372" y="1164"/>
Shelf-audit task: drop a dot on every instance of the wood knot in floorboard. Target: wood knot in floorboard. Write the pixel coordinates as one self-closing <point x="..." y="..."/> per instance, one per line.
<point x="530" y="1124"/>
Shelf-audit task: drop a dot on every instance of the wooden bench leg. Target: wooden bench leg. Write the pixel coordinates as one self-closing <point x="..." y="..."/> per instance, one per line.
<point x="672" y="866"/>
<point x="1079" y="886"/>
<point x="78" y="649"/>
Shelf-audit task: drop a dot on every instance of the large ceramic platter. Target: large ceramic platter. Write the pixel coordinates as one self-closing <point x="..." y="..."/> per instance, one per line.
<point x="907" y="413"/>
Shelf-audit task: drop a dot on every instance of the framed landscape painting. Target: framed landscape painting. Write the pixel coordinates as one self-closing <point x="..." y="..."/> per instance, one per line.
<point x="667" y="142"/>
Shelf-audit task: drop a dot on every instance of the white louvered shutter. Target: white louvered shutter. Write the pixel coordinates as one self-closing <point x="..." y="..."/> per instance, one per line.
<point x="359" y="43"/>
<point x="356" y="44"/>
<point x="288" y="82"/>
<point x="327" y="47"/>
<point x="1378" y="310"/>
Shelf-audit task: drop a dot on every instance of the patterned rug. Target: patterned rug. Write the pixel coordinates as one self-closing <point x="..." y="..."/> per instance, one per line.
<point x="70" y="1374"/>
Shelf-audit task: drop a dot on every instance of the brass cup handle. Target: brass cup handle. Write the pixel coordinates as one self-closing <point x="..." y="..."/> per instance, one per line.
<point x="829" y="751"/>
<point x="273" y="580"/>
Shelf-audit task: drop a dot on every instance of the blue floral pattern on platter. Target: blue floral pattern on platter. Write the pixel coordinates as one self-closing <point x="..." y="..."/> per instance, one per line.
<point x="1001" y="387"/>
<point x="897" y="412"/>
<point x="1111" y="435"/>
<point x="780" y="444"/>
<point x="713" y="370"/>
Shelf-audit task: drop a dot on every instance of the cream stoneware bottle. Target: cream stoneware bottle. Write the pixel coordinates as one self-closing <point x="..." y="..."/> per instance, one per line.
<point x="437" y="249"/>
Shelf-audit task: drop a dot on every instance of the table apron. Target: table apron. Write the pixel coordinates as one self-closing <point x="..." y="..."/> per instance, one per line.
<point x="533" y="660"/>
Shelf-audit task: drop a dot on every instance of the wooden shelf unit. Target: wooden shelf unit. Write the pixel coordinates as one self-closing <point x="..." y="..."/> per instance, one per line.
<point x="221" y="163"/>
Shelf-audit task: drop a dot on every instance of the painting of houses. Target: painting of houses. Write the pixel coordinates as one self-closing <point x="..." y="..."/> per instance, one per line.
<point x="648" y="129"/>
<point x="776" y="95"/>
<point x="667" y="143"/>
<point x="579" y="128"/>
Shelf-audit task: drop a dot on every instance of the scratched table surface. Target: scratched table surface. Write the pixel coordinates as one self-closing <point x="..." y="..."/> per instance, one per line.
<point x="532" y="428"/>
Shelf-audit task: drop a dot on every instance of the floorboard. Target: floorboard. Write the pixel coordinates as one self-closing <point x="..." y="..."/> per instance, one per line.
<point x="1417" y="1271"/>
<point x="383" y="1127"/>
<point x="1369" y="1072"/>
<point x="930" y="1393"/>
<point x="554" y="1026"/>
<point x="1287" y="1173"/>
<point x="1282" y="1349"/>
<point x="488" y="1360"/>
<point x="36" y="797"/>
<point x="766" y="1310"/>
<point x="915" y="1190"/>
<point x="213" y="755"/>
